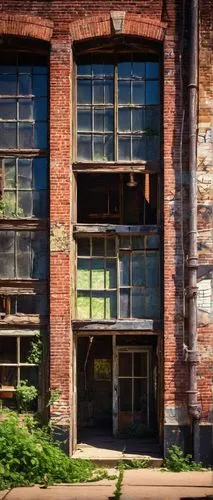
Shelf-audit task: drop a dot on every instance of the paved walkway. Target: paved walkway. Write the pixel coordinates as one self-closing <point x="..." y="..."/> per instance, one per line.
<point x="137" y="484"/>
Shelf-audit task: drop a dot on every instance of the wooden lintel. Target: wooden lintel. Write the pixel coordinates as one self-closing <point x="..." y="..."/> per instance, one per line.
<point x="23" y="319"/>
<point x="12" y="333"/>
<point x="19" y="287"/>
<point x="144" y="325"/>
<point x="151" y="167"/>
<point x="94" y="333"/>
<point x="111" y="228"/>
<point x="27" y="224"/>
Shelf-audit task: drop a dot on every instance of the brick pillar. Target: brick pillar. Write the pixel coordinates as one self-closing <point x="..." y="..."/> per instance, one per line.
<point x="60" y="224"/>
<point x="175" y="374"/>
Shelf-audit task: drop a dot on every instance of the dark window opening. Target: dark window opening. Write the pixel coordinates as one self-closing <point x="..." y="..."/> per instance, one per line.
<point x="23" y="304"/>
<point x="117" y="198"/>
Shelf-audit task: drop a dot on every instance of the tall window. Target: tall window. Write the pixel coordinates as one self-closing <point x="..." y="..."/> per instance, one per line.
<point x="118" y="115"/>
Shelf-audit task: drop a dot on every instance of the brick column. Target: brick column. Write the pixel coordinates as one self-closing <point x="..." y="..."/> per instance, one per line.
<point x="60" y="224"/>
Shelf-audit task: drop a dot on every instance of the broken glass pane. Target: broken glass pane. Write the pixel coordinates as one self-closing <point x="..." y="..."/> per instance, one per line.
<point x="8" y="377"/>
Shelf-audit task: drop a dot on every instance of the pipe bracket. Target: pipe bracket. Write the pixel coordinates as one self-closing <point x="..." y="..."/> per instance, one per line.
<point x="195" y="411"/>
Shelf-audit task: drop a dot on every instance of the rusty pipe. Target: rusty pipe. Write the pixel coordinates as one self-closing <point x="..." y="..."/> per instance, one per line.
<point x="194" y="409"/>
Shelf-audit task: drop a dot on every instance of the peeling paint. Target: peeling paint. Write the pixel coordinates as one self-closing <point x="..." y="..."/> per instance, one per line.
<point x="59" y="239"/>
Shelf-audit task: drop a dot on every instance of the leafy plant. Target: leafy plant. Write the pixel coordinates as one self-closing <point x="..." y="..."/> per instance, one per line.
<point x="118" y="484"/>
<point x="54" y="397"/>
<point x="35" y="351"/>
<point x="135" y="463"/>
<point x="25" y="394"/>
<point x="28" y="456"/>
<point x="8" y="207"/>
<point x="177" y="462"/>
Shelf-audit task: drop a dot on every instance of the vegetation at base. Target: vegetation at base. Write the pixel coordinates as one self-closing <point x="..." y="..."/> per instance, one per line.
<point x="29" y="456"/>
<point x="178" y="462"/>
<point x="25" y="394"/>
<point x="134" y="463"/>
<point x="118" y="484"/>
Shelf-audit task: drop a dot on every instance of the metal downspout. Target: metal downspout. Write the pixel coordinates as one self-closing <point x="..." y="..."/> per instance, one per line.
<point x="194" y="409"/>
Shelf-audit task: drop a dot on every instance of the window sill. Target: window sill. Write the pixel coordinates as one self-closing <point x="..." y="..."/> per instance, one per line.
<point x="120" y="166"/>
<point x="148" y="325"/>
<point x="112" y="228"/>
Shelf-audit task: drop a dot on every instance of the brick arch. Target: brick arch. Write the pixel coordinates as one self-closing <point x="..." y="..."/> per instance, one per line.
<point x="27" y="26"/>
<point x="130" y="24"/>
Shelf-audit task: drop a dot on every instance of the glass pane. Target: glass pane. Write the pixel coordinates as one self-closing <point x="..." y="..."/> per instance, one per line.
<point x="138" y="69"/>
<point x="25" y="85"/>
<point x="152" y="120"/>
<point x="111" y="273"/>
<point x="139" y="148"/>
<point x="124" y="120"/>
<point x="97" y="306"/>
<point x="125" y="394"/>
<point x="40" y="85"/>
<point x="84" y="69"/>
<point x="25" y="109"/>
<point x="124" y="69"/>
<point x="152" y="241"/>
<point x="140" y="398"/>
<point x="84" y="147"/>
<point x="124" y="303"/>
<point x="140" y="364"/>
<point x="102" y="92"/>
<point x="125" y="364"/>
<point x="153" y="303"/>
<point x="23" y="254"/>
<point x="103" y="120"/>
<point x="98" y="246"/>
<point x="139" y="303"/>
<point x="83" y="274"/>
<point x="152" y="269"/>
<point x="39" y="173"/>
<point x="25" y="204"/>
<point x="111" y="305"/>
<point x="84" y="120"/>
<point x="8" y="377"/>
<point x="83" y="306"/>
<point x="152" y="70"/>
<point x="25" y="173"/>
<point x="124" y="148"/>
<point x="152" y="92"/>
<point x="110" y="246"/>
<point x="124" y="96"/>
<point x="138" y="119"/>
<point x="103" y="148"/>
<point x="39" y="255"/>
<point x="138" y="93"/>
<point x="8" y="350"/>
<point x="125" y="242"/>
<point x="7" y="84"/>
<point x="7" y="267"/>
<point x="39" y="203"/>
<point x="84" y="92"/>
<point x="137" y="242"/>
<point x="97" y="274"/>
<point x="84" y="246"/>
<point x="40" y="140"/>
<point x="26" y="135"/>
<point x="138" y="270"/>
<point x="9" y="200"/>
<point x="124" y="269"/>
<point x="8" y="135"/>
<point x="9" y="173"/>
<point x="40" y="108"/>
<point x="8" y="109"/>
<point x="153" y="147"/>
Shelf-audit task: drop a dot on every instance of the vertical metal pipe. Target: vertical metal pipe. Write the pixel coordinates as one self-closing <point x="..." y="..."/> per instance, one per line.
<point x="194" y="409"/>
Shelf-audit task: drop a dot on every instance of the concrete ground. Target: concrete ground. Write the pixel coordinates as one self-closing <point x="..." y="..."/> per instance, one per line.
<point x="143" y="484"/>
